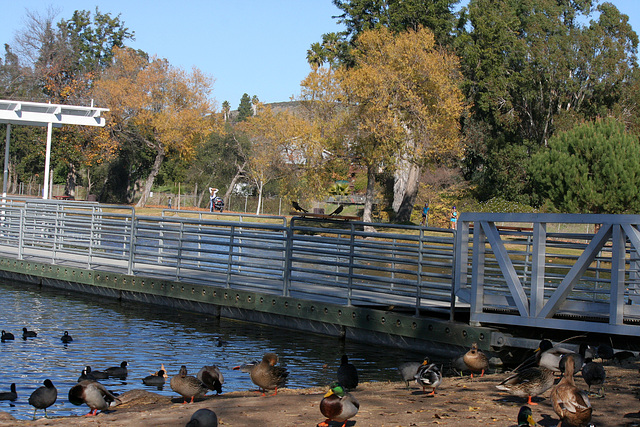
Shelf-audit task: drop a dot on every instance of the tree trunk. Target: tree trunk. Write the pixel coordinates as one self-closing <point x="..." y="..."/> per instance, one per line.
<point x="70" y="187"/>
<point x="152" y="177"/>
<point x="369" y="197"/>
<point x="236" y="177"/>
<point x="405" y="190"/>
<point x="260" y="185"/>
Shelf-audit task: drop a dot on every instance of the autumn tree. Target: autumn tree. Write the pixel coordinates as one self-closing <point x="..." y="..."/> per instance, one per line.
<point x="401" y="103"/>
<point x="283" y="146"/>
<point x="155" y="104"/>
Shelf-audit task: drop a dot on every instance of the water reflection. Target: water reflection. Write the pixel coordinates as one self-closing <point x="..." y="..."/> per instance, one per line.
<point x="106" y="332"/>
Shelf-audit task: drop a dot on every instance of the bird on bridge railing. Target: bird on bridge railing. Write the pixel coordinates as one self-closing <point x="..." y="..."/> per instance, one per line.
<point x="297" y="207"/>
<point x="338" y="210"/>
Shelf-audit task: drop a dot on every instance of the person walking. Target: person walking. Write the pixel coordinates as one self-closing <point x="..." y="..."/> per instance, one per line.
<point x="425" y="215"/>
<point x="454" y="218"/>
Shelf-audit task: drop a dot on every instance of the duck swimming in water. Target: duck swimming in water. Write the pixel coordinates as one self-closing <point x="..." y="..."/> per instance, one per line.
<point x="155" y="380"/>
<point x="9" y="395"/>
<point x="28" y="334"/>
<point x="7" y="336"/>
<point x="117" y="371"/>
<point x="66" y="338"/>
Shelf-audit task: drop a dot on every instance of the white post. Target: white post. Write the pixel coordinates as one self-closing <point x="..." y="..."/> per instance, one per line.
<point x="47" y="161"/>
<point x="6" y="161"/>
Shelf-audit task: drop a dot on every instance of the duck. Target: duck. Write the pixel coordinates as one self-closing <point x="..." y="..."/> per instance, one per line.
<point x="155" y="380"/>
<point x="408" y="370"/>
<point x="163" y="369"/>
<point x="7" y="336"/>
<point x="569" y="402"/>
<point x="429" y="376"/>
<point x="267" y="376"/>
<point x="593" y="373"/>
<point x="475" y="360"/>
<point x="43" y="397"/>
<point x="347" y="374"/>
<point x="66" y="338"/>
<point x="525" y="417"/>
<point x="211" y="377"/>
<point x="187" y="386"/>
<point x="203" y="418"/>
<point x="549" y="356"/>
<point x="578" y="359"/>
<point x="28" y="334"/>
<point x="528" y="382"/>
<point x="93" y="394"/>
<point x="117" y="371"/>
<point x="9" y="395"/>
<point x="246" y="367"/>
<point x="338" y="405"/>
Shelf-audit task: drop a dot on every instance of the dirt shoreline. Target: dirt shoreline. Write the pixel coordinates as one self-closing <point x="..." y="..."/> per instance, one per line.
<point x="459" y="401"/>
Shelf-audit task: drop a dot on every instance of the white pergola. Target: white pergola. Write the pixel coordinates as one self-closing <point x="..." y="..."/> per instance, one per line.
<point x="43" y="114"/>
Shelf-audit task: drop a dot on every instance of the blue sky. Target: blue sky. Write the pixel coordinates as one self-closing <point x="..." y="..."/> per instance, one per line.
<point x="257" y="47"/>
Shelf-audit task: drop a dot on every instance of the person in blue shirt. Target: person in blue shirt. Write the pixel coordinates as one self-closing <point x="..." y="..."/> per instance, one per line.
<point x="454" y="218"/>
<point x="425" y="215"/>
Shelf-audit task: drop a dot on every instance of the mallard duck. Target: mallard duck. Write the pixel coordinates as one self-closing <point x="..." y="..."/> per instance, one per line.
<point x="528" y="383"/>
<point x="338" y="405"/>
<point x="246" y="367"/>
<point x="187" y="386"/>
<point x="118" y="371"/>
<point x="43" y="397"/>
<point x="347" y="374"/>
<point x="475" y="360"/>
<point x="593" y="373"/>
<point x="211" y="377"/>
<point x="7" y="336"/>
<point x="93" y="394"/>
<point x="525" y="417"/>
<point x="429" y="376"/>
<point x="155" y="380"/>
<point x="578" y="359"/>
<point x="549" y="355"/>
<point x="203" y="418"/>
<point x="267" y="376"/>
<point x="9" y="395"/>
<point x="569" y="402"/>
<point x="66" y="338"/>
<point x="408" y="370"/>
<point x="28" y="334"/>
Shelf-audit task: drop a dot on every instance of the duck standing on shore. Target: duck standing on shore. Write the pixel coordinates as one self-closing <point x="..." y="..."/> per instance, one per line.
<point x="187" y="386"/>
<point x="338" y="405"/>
<point x="267" y="376"/>
<point x="408" y="370"/>
<point x="569" y="402"/>
<point x="429" y="376"/>
<point x="475" y="360"/>
<point x="93" y="394"/>
<point x="528" y="383"/>
<point x="211" y="377"/>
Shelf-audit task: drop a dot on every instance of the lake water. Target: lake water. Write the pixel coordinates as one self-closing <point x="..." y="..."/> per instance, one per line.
<point x="106" y="332"/>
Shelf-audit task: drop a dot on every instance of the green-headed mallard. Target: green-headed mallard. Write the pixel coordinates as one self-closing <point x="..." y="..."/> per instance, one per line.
<point x="43" y="397"/>
<point x="550" y="356"/>
<point x="93" y="394"/>
<point x="347" y="374"/>
<point x="338" y="405"/>
<point x="211" y="377"/>
<point x="525" y="417"/>
<point x="429" y="376"/>
<point x="475" y="360"/>
<point x="187" y="386"/>
<point x="569" y="402"/>
<point x="528" y="382"/>
<point x="267" y="376"/>
<point x="593" y="373"/>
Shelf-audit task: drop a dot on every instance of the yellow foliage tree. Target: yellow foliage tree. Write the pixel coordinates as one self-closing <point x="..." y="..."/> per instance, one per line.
<point x="401" y="102"/>
<point x="156" y="104"/>
<point x="284" y="146"/>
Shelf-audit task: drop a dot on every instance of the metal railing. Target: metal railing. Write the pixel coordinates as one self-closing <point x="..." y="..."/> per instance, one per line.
<point x="403" y="266"/>
<point x="524" y="274"/>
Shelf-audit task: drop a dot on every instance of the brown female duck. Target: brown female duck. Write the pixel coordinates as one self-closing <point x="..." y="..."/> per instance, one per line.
<point x="267" y="376"/>
<point x="529" y="382"/>
<point x="569" y="402"/>
<point x="475" y="360"/>
<point x="187" y="386"/>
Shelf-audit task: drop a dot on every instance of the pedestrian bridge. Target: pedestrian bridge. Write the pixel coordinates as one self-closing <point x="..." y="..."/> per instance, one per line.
<point x="525" y="270"/>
